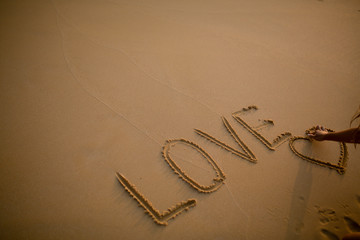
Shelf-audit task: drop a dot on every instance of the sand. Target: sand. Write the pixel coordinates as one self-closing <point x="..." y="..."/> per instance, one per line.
<point x="119" y="115"/>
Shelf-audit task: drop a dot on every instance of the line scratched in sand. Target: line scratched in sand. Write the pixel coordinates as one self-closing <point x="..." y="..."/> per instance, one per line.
<point x="159" y="218"/>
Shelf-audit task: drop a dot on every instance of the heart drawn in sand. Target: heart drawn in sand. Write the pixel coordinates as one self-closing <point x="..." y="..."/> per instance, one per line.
<point x="341" y="165"/>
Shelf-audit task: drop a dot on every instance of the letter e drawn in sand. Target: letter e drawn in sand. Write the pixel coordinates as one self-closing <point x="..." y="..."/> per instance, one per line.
<point x="159" y="218"/>
<point x="247" y="155"/>
<point x="253" y="130"/>
<point x="220" y="176"/>
<point x="341" y="165"/>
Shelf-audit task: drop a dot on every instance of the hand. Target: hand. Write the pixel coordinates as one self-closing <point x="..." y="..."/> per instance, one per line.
<point x="319" y="134"/>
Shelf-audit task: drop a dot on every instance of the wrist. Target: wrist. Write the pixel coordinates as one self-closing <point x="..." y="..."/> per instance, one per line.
<point x="329" y="136"/>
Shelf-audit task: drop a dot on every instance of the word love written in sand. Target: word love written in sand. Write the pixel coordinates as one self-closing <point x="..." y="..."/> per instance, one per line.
<point x="243" y="152"/>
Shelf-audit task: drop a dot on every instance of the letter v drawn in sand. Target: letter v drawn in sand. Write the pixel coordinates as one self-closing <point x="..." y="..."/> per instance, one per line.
<point x="159" y="218"/>
<point x="247" y="155"/>
<point x="220" y="176"/>
<point x="254" y="130"/>
<point x="341" y="165"/>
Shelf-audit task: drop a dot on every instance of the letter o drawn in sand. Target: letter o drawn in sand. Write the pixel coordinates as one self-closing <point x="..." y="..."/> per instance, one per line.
<point x="340" y="167"/>
<point x="220" y="176"/>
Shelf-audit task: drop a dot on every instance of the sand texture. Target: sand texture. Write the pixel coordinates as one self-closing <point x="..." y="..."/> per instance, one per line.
<point x="340" y="167"/>
<point x="159" y="218"/>
<point x="248" y="155"/>
<point x="178" y="119"/>
<point x="220" y="177"/>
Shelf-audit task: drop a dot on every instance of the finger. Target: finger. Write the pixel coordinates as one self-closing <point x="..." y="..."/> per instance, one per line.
<point x="311" y="135"/>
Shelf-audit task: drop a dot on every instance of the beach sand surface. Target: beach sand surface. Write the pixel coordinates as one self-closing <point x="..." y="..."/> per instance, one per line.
<point x="92" y="88"/>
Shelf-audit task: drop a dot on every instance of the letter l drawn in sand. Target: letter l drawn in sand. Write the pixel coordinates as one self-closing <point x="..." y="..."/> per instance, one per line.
<point x="159" y="218"/>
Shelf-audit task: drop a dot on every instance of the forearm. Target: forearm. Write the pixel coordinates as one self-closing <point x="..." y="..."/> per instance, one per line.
<point x="351" y="135"/>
